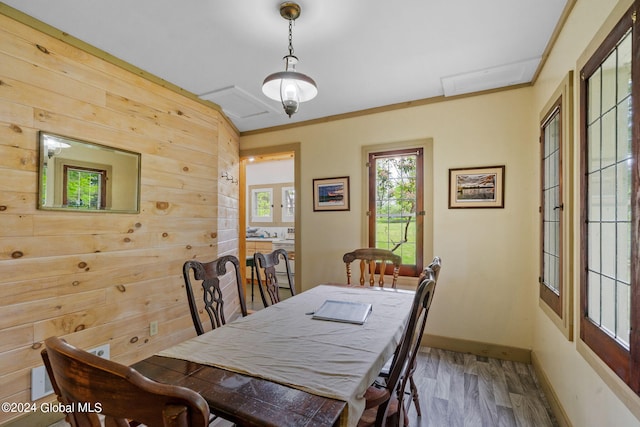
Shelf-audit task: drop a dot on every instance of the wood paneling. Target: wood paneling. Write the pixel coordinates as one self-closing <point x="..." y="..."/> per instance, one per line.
<point x="96" y="278"/>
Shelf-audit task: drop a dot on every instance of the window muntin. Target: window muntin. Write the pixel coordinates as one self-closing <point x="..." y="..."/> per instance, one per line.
<point x="396" y="189"/>
<point x="610" y="197"/>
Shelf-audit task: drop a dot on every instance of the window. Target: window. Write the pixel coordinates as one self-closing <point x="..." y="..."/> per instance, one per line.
<point x="84" y="188"/>
<point x="396" y="188"/>
<point x="609" y="202"/>
<point x="288" y="204"/>
<point x="272" y="205"/>
<point x="262" y="205"/>
<point x="551" y="211"/>
<point x="555" y="277"/>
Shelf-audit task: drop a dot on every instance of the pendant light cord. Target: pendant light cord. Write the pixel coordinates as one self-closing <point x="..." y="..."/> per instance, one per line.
<point x="291" y="37"/>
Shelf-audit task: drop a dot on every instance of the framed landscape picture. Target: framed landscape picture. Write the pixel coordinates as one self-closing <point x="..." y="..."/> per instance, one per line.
<point x="481" y="187"/>
<point x="331" y="194"/>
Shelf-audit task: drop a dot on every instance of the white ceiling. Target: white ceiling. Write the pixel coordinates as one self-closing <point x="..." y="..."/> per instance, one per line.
<point x="361" y="53"/>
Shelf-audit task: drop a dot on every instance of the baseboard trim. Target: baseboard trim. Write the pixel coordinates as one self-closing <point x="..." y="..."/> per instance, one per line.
<point x="495" y="351"/>
<point x="549" y="392"/>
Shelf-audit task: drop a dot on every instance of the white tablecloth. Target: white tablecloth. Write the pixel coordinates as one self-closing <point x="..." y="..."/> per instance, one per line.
<point x="285" y="345"/>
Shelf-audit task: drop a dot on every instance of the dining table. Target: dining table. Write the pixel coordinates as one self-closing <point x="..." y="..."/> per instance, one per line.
<point x="281" y="367"/>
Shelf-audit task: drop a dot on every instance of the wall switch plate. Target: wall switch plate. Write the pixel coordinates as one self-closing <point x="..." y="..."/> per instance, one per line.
<point x="153" y="328"/>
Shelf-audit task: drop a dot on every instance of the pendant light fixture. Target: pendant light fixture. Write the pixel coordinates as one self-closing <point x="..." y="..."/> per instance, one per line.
<point x="289" y="86"/>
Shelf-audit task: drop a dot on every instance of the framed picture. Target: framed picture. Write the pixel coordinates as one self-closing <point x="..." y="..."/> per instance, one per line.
<point x="481" y="187"/>
<point x="331" y="194"/>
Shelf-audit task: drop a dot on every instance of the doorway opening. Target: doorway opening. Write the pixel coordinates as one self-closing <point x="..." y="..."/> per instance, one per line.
<point x="269" y="190"/>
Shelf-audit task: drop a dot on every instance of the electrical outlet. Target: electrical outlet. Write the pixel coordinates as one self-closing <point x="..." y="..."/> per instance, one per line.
<point x="153" y="328"/>
<point x="40" y="382"/>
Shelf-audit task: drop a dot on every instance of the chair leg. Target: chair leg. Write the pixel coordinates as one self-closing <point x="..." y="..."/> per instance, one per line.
<point x="405" y="415"/>
<point x="414" y="395"/>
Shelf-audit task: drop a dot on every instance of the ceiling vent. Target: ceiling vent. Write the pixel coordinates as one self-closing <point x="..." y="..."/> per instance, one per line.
<point x="237" y="103"/>
<point x="490" y="78"/>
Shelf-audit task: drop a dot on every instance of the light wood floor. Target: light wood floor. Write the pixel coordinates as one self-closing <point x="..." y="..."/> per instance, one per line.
<point x="464" y="390"/>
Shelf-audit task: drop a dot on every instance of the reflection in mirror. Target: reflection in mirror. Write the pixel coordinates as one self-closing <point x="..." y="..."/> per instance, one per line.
<point x="82" y="176"/>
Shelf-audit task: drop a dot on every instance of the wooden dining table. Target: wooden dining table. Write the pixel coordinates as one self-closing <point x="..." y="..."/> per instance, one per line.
<point x="280" y="367"/>
<point x="243" y="399"/>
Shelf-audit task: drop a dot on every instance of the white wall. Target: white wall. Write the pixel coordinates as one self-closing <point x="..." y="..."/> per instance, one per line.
<point x="270" y="172"/>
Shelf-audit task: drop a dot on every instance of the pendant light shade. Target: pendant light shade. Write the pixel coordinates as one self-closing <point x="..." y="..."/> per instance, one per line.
<point x="289" y="86"/>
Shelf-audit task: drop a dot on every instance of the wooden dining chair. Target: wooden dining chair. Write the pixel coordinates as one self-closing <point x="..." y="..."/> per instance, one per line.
<point x="432" y="271"/>
<point x="434" y="266"/>
<point x="385" y="404"/>
<point x="89" y="384"/>
<point x="209" y="275"/>
<point x="373" y="260"/>
<point x="267" y="278"/>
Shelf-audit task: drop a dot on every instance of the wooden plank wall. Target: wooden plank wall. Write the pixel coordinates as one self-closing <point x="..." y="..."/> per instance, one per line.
<point x="96" y="278"/>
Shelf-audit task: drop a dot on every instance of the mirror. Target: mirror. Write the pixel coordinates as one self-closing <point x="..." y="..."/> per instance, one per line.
<point x="82" y="176"/>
